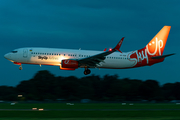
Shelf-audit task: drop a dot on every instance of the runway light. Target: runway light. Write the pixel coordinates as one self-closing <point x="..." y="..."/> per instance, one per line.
<point x="131" y="104"/>
<point x="13" y="103"/>
<point x="69" y="103"/>
<point x="123" y="103"/>
<point x="19" y="95"/>
<point x="72" y="104"/>
<point x="41" y="109"/>
<point x="34" y="108"/>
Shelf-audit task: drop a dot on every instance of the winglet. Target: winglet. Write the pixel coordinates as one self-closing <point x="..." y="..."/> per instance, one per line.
<point x="105" y="49"/>
<point x="119" y="45"/>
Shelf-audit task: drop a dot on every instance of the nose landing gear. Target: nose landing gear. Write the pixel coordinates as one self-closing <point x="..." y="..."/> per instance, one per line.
<point x="87" y="71"/>
<point x="20" y="67"/>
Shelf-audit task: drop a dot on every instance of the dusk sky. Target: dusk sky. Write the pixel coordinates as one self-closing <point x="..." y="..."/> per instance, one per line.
<point x="89" y="25"/>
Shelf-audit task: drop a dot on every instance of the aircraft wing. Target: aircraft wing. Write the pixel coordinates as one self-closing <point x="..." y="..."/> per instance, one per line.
<point x="96" y="59"/>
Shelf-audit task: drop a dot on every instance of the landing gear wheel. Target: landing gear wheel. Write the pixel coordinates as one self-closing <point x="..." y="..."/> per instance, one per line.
<point x="20" y="67"/>
<point x="87" y="71"/>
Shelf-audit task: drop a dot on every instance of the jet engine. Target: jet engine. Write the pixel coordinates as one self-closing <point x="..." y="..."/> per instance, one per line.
<point x="69" y="64"/>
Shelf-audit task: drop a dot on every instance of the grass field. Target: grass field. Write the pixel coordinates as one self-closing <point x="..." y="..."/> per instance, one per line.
<point x="159" y="118"/>
<point x="98" y="111"/>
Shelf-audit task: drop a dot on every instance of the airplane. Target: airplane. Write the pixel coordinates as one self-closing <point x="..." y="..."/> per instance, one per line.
<point x="69" y="59"/>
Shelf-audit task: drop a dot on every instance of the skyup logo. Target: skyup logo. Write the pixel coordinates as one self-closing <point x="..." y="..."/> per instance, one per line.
<point x="42" y="57"/>
<point x="155" y="47"/>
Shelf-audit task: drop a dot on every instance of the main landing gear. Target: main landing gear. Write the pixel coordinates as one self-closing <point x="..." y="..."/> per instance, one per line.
<point x="87" y="71"/>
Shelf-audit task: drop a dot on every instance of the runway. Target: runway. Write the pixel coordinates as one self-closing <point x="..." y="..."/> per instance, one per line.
<point x="90" y="110"/>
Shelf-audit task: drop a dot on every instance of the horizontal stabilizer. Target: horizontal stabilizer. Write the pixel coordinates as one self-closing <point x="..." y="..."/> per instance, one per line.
<point x="163" y="56"/>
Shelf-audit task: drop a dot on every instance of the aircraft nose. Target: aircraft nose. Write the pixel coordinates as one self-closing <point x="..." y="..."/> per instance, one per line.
<point x="7" y="56"/>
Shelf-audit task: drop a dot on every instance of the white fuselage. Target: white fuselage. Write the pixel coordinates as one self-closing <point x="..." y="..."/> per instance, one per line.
<point x="52" y="56"/>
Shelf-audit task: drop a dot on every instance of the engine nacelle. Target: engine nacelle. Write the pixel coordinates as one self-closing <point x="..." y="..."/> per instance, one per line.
<point x="69" y="64"/>
<point x="17" y="63"/>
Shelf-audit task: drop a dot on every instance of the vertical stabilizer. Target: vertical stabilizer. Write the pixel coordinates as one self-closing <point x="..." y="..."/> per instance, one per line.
<point x="153" y="51"/>
<point x="156" y="46"/>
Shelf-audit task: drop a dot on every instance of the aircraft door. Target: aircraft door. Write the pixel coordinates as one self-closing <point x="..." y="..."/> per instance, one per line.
<point x="25" y="53"/>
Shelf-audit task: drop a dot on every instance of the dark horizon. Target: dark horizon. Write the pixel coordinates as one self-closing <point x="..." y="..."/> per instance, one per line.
<point x="45" y="85"/>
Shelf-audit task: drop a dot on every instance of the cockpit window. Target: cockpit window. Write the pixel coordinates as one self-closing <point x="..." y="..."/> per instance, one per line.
<point x="14" y="51"/>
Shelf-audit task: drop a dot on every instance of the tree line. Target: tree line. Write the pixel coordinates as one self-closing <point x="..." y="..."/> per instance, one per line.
<point x="45" y="86"/>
